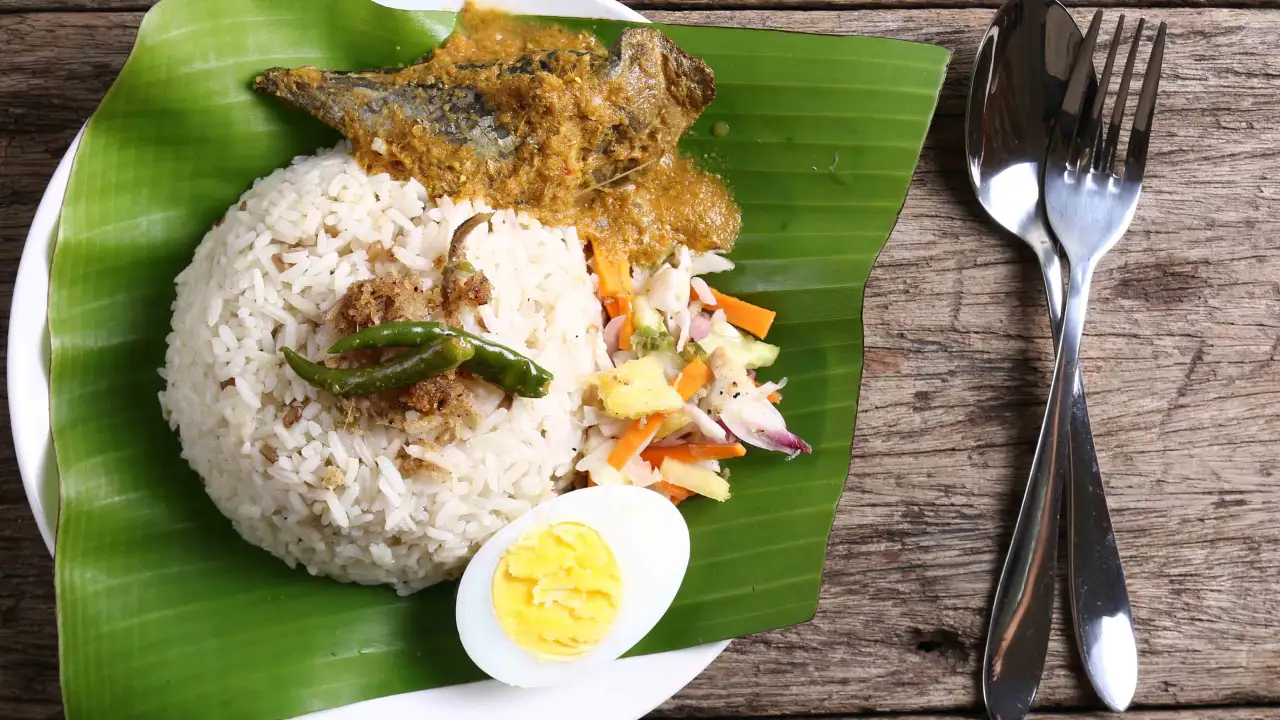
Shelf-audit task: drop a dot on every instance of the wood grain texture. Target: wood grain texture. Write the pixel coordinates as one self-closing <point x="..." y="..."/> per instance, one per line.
<point x="1181" y="364"/>
<point x="787" y="5"/>
<point x="53" y="71"/>
<point x="1236" y="713"/>
<point x="1181" y="357"/>
<point x="646" y="5"/>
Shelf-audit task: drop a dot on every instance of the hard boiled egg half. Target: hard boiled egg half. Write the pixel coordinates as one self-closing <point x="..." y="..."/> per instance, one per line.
<point x="573" y="583"/>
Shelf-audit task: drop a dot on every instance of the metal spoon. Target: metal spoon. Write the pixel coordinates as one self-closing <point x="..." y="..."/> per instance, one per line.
<point x="1019" y="78"/>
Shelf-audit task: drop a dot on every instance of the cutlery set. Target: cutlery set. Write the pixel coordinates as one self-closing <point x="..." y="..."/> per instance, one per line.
<point x="1048" y="169"/>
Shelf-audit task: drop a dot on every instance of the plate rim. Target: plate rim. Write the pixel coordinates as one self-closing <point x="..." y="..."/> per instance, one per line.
<point x="631" y="686"/>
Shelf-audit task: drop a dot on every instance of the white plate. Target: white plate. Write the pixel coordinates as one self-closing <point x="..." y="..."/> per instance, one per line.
<point x="623" y="690"/>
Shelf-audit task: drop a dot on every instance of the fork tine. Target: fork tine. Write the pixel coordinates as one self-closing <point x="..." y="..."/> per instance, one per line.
<point x="1069" y="117"/>
<point x="1122" y="99"/>
<point x="1135" y="163"/>
<point x="1094" y="137"/>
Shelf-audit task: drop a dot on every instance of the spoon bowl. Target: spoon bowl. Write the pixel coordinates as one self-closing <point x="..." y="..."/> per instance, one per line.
<point x="1019" y="79"/>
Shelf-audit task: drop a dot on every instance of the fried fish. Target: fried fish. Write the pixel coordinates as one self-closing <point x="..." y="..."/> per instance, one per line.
<point x="598" y="115"/>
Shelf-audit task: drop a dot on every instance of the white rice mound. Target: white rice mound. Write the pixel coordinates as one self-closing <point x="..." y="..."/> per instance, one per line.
<point x="235" y="309"/>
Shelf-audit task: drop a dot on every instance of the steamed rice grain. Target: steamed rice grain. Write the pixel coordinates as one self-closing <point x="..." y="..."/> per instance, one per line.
<point x="292" y="473"/>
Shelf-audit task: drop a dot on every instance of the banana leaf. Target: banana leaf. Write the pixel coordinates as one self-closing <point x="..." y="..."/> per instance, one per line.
<point x="164" y="612"/>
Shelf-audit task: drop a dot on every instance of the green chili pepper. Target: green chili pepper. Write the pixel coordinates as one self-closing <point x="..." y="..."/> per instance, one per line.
<point x="494" y="363"/>
<point x="392" y="334"/>
<point x="421" y="364"/>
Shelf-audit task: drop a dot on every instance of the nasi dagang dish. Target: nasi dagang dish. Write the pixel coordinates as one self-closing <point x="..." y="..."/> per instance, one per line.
<point x="481" y="338"/>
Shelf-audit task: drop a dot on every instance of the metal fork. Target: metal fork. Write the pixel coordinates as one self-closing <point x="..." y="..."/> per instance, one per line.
<point x="1090" y="199"/>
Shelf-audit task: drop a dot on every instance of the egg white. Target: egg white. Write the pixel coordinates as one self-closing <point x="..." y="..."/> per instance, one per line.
<point x="650" y="542"/>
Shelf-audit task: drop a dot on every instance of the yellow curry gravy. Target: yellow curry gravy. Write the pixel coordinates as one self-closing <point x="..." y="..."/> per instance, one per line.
<point x="640" y="210"/>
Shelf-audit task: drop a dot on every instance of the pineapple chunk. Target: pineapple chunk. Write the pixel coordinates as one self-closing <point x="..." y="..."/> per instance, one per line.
<point x="695" y="479"/>
<point x="672" y="422"/>
<point x="604" y="474"/>
<point x="637" y="388"/>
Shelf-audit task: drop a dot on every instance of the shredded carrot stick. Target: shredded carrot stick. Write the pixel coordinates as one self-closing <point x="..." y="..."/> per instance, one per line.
<point x="692" y="378"/>
<point x="638" y="435"/>
<point x="752" y="318"/>
<point x="673" y="492"/>
<point x="614" y="275"/>
<point x="615" y="293"/>
<point x="693" y="452"/>
<point x="641" y="432"/>
<point x="628" y="322"/>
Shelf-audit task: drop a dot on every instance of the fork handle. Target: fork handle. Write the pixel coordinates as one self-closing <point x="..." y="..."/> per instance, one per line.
<point x="1099" y="599"/>
<point x="1100" y="608"/>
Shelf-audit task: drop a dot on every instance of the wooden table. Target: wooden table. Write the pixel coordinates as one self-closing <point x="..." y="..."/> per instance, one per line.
<point x="1183" y="359"/>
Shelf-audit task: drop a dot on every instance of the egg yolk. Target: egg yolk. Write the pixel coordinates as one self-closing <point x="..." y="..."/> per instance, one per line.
<point x="557" y="590"/>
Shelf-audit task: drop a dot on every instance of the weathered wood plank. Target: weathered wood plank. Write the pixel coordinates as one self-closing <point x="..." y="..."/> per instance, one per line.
<point x="789" y="5"/>
<point x="67" y="5"/>
<point x="1181" y="361"/>
<point x="53" y="71"/>
<point x="704" y="5"/>
<point x="1239" y="713"/>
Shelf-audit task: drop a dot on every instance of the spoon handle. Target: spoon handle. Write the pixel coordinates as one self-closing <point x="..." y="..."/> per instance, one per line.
<point x="1022" y="614"/>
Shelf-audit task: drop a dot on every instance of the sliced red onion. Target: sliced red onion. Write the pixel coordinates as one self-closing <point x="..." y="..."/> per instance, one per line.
<point x="612" y="333"/>
<point x="757" y="422"/>
<point x="706" y="424"/>
<point x="640" y="473"/>
<point x="728" y="434"/>
<point x="699" y="327"/>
